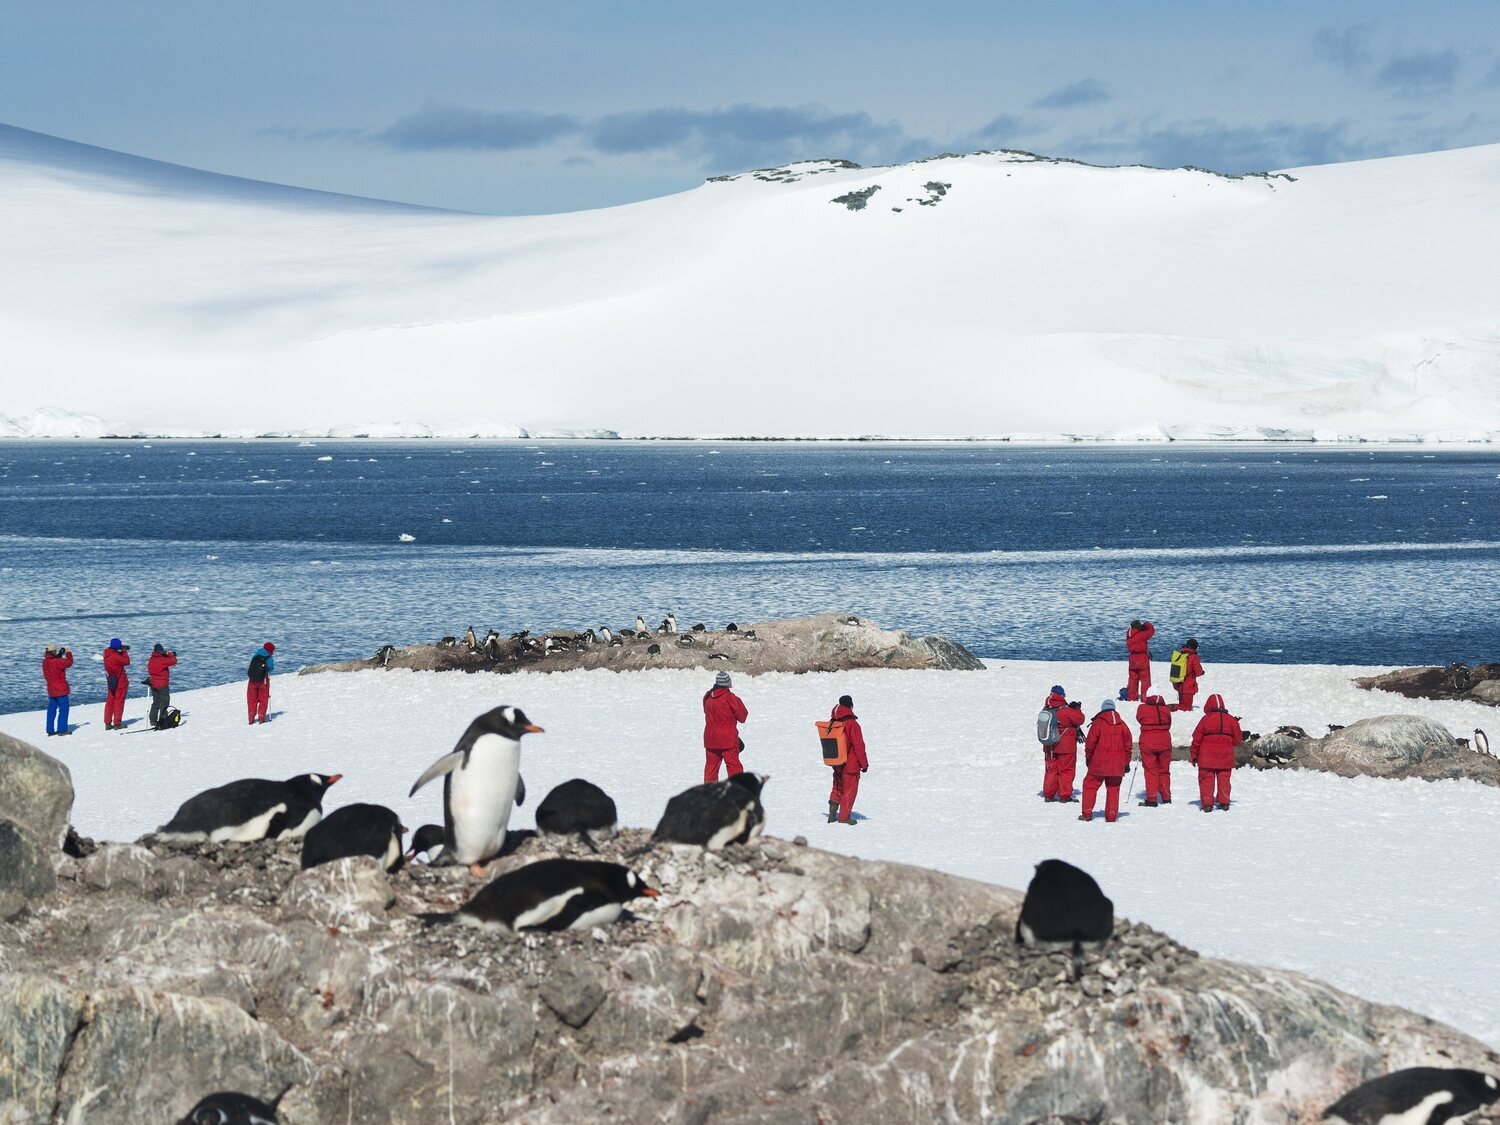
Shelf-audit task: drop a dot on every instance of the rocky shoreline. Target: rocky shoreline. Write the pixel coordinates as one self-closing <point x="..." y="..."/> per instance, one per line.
<point x="1479" y="683"/>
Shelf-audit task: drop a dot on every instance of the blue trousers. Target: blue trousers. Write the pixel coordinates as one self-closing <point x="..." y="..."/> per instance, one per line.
<point x="57" y="712"/>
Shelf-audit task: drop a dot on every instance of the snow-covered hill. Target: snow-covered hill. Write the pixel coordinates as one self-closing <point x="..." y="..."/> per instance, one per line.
<point x="963" y="296"/>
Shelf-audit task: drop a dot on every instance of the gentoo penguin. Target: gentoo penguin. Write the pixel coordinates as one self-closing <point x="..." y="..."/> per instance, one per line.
<point x="700" y="628"/>
<point x="671" y="623"/>
<point x="718" y="656"/>
<point x="1481" y="741"/>
<point x="371" y="830"/>
<point x="426" y="842"/>
<point x="481" y="783"/>
<point x="253" y="809"/>
<point x="715" y="814"/>
<point x="731" y="628"/>
<point x="640" y="624"/>
<point x="653" y="650"/>
<point x="605" y="635"/>
<point x="686" y="640"/>
<point x="229" y="1108"/>
<point x="1419" y="1095"/>
<point x="577" y="808"/>
<point x="1064" y="905"/>
<point x="552" y="894"/>
<point x="470" y="639"/>
<point x="617" y="642"/>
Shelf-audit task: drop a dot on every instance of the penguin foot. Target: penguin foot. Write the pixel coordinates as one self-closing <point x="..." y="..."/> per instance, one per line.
<point x="476" y="870"/>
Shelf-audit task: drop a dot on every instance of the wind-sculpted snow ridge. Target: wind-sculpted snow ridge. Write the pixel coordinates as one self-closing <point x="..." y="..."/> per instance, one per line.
<point x="998" y="294"/>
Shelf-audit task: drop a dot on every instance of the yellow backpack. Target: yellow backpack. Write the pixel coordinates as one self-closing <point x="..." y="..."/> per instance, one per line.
<point x="1179" y="666"/>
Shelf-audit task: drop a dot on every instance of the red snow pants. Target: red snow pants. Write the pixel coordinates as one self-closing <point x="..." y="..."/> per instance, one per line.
<point x="1157" y="765"/>
<point x="114" y="704"/>
<point x="712" y="758"/>
<point x="1138" y="683"/>
<point x="1207" y="780"/>
<point x="1091" y="783"/>
<point x="258" y="699"/>
<point x="1185" y="693"/>
<point x="845" y="789"/>
<point x="1057" y="783"/>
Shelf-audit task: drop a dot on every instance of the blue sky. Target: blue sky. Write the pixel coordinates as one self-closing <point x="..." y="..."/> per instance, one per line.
<point x="555" y="106"/>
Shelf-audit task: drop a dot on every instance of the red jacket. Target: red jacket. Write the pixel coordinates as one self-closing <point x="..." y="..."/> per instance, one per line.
<point x="1069" y="723"/>
<point x="1217" y="735"/>
<point x="1136" y="641"/>
<point x="115" y="662"/>
<point x="55" y="672"/>
<point x="1107" y="750"/>
<point x="159" y="669"/>
<point x="856" y="761"/>
<point x="1194" y="670"/>
<point x="1155" y="718"/>
<point x="722" y="714"/>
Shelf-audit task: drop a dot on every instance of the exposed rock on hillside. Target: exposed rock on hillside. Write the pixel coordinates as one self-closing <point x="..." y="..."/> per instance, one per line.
<point x="1481" y="682"/>
<point x="827" y="643"/>
<point x="1384" y="746"/>
<point x="36" y="795"/>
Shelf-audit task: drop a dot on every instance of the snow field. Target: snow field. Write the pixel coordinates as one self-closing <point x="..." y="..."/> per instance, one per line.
<point x="1388" y="889"/>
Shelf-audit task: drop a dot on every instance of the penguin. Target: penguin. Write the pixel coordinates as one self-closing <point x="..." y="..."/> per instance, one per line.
<point x="685" y="640"/>
<point x="253" y="809"/>
<point x="427" y="842"/>
<point x="577" y="808"/>
<point x="1064" y="905"/>
<point x="748" y="635"/>
<point x="1292" y="732"/>
<point x="731" y="628"/>
<point x="715" y="814"/>
<point x="551" y="894"/>
<point x="671" y="623"/>
<point x="228" y="1108"/>
<point x="653" y="650"/>
<point x="383" y="655"/>
<point x="605" y="635"/>
<point x="470" y="640"/>
<point x="640" y="624"/>
<point x="617" y="642"/>
<point x="1419" y="1095"/>
<point x="1333" y="727"/>
<point x="718" y="656"/>
<point x="1481" y="741"/>
<point x="586" y="638"/>
<point x="448" y="642"/>
<point x="700" y="628"/>
<point x="481" y="784"/>
<point x="521" y="636"/>
<point x="371" y="830"/>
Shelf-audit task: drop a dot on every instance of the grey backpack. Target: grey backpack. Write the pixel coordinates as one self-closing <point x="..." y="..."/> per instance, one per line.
<point x="1048" y="733"/>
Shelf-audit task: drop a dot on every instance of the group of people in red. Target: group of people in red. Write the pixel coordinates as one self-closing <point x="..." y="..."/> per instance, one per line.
<point x="1108" y="744"/>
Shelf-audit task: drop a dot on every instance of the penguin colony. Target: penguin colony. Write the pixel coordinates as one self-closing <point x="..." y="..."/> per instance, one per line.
<point x="526" y="647"/>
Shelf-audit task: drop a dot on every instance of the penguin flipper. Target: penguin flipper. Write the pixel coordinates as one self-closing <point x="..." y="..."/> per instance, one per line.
<point x="520" y="790"/>
<point x="437" y="919"/>
<point x="444" y="765"/>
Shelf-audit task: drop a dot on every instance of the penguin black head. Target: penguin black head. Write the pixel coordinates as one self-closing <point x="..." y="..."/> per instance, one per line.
<point x="229" y="1108"/>
<point x="424" y="839"/>
<point x="751" y="781"/>
<point x="314" y="784"/>
<point x="508" y="722"/>
<point x="625" y="884"/>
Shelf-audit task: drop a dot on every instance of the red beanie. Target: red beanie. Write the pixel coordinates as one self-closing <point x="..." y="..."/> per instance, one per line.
<point x="269" y="647"/>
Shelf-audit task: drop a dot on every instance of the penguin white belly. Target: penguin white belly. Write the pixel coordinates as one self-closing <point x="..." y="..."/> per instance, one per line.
<point x="599" y="916"/>
<point x="312" y="818"/>
<point x="252" y="829"/>
<point x="481" y="796"/>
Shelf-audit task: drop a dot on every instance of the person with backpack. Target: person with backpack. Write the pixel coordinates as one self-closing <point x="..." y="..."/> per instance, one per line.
<point x="723" y="712"/>
<point x="116" y="683"/>
<point x="258" y="684"/>
<point x="159" y="675"/>
<point x="1214" y="740"/>
<point x="846" y="775"/>
<point x="1138" y="661"/>
<point x="1057" y="727"/>
<point x="1155" y="719"/>
<point x="1186" y="668"/>
<point x="1107" y="754"/>
<point x="55" y="665"/>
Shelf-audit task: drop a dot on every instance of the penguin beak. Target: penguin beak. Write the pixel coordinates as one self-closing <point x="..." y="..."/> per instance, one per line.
<point x="650" y="892"/>
<point x="532" y="728"/>
<point x="335" y="777"/>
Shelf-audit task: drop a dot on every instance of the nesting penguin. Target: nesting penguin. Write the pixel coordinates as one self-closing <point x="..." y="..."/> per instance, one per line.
<point x="371" y="830"/>
<point x="1064" y="906"/>
<point x="577" y="808"/>
<point x="716" y="814"/>
<point x="229" y="1108"/>
<point x="1419" y="1095"/>
<point x="481" y="784"/>
<point x="653" y="650"/>
<point x="253" y="809"/>
<point x="426" y="842"/>
<point x="552" y="894"/>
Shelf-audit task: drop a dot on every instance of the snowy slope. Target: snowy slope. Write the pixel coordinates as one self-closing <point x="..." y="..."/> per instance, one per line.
<point x="1025" y="297"/>
<point x="1386" y="888"/>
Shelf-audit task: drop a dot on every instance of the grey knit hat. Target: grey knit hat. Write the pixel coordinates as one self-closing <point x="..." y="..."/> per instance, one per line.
<point x="721" y="680"/>
<point x="1107" y="705"/>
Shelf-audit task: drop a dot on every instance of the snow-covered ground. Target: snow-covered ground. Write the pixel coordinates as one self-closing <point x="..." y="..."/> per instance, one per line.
<point x="1027" y="298"/>
<point x="1389" y="889"/>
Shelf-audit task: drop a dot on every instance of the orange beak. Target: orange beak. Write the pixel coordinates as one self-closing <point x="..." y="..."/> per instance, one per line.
<point x="532" y="728"/>
<point x="651" y="892"/>
<point x="335" y="777"/>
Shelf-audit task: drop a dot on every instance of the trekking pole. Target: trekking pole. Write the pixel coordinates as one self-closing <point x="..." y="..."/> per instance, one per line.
<point x="1132" y="777"/>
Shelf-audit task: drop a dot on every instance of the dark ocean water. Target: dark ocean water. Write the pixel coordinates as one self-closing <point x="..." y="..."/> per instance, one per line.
<point x="1280" y="554"/>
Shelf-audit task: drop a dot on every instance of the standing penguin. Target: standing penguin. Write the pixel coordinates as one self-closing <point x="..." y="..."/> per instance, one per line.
<point x="640" y="624"/>
<point x="715" y="814"/>
<point x="471" y="642"/>
<point x="577" y="808"/>
<point x="552" y="894"/>
<point x="1064" y="905"/>
<point x="1419" y="1095"/>
<point x="481" y="784"/>
<point x="371" y="830"/>
<point x="253" y="809"/>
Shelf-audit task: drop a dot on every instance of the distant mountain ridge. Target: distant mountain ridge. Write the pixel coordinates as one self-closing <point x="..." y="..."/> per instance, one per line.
<point x="991" y="295"/>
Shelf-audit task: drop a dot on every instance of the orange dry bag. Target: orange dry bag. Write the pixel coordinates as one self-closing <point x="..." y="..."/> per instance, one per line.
<point x="835" y="745"/>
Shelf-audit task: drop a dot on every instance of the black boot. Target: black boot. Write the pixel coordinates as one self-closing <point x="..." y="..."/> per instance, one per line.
<point x="833" y="811"/>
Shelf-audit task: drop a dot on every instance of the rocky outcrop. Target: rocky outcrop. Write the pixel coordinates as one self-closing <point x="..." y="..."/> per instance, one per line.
<point x="771" y="982"/>
<point x="827" y="643"/>
<point x="36" y="797"/>
<point x="1479" y="682"/>
<point x="1396" y="746"/>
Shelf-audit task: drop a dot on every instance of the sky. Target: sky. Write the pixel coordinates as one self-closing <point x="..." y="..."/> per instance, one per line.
<point x="508" y="108"/>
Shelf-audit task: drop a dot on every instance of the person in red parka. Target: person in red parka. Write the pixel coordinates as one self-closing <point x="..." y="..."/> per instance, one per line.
<point x="1138" y="667"/>
<point x="1214" y="740"/>
<point x="116" y="683"/>
<point x="1062" y="755"/>
<point x="159" y="673"/>
<point x="723" y="712"/>
<point x="1155" y="718"/>
<point x="1107" y="753"/>
<point x="1189" y="685"/>
<point x="55" y="665"/>
<point x="846" y="774"/>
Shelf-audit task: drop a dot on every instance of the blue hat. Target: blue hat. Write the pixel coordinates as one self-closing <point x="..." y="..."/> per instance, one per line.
<point x="114" y="642"/>
<point x="1057" y="689"/>
<point x="1107" y="705"/>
